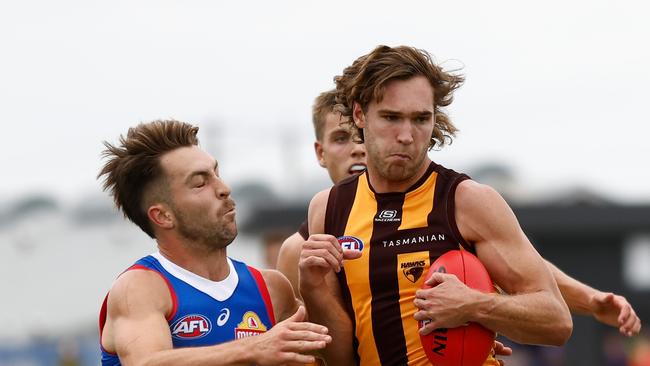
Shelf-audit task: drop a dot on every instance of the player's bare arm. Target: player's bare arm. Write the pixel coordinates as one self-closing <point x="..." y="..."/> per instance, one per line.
<point x="288" y="259"/>
<point x="136" y="329"/>
<point x="532" y="311"/>
<point x="606" y="307"/>
<point x="321" y="256"/>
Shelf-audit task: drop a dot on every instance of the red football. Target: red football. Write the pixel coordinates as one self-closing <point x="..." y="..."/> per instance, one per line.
<point x="467" y="345"/>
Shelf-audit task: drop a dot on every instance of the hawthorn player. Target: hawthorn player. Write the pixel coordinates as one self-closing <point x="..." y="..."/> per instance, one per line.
<point x="406" y="209"/>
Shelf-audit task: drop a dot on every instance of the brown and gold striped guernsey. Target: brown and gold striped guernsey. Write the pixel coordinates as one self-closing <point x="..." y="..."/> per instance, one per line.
<point x="402" y="234"/>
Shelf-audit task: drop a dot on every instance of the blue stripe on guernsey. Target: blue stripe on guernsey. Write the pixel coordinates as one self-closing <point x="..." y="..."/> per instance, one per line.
<point x="207" y="316"/>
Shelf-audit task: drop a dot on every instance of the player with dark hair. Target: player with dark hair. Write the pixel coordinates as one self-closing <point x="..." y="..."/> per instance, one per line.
<point x="189" y="303"/>
<point x="406" y="210"/>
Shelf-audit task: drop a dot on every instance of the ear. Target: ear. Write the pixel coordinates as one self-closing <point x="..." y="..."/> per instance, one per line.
<point x="358" y="115"/>
<point x="318" y="149"/>
<point x="161" y="216"/>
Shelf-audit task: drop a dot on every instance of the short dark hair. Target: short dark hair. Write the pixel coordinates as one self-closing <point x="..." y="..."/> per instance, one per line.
<point x="364" y="81"/>
<point x="133" y="173"/>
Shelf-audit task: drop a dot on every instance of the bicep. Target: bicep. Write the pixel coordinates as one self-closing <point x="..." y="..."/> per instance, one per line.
<point x="283" y="298"/>
<point x="486" y="219"/>
<point x="288" y="259"/>
<point x="316" y="214"/>
<point x="137" y="307"/>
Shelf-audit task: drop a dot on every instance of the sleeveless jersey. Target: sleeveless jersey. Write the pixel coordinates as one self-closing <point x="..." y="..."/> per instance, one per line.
<point x="400" y="235"/>
<point x="206" y="312"/>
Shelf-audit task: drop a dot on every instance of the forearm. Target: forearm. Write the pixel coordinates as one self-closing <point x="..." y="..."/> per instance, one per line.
<point x="327" y="310"/>
<point x="532" y="318"/>
<point x="576" y="294"/>
<point x="226" y="354"/>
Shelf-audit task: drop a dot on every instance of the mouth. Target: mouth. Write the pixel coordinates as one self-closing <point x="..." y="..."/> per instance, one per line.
<point x="357" y="168"/>
<point x="400" y="156"/>
<point x="230" y="208"/>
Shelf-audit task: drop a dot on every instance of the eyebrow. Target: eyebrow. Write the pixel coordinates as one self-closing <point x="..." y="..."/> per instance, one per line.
<point x="201" y="172"/>
<point x="417" y="113"/>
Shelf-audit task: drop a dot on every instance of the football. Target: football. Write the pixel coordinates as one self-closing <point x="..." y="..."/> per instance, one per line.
<point x="468" y="345"/>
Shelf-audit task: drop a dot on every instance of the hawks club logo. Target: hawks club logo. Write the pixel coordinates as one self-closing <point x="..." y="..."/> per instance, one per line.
<point x="191" y="326"/>
<point x="413" y="270"/>
<point x="351" y="243"/>
<point x="251" y="325"/>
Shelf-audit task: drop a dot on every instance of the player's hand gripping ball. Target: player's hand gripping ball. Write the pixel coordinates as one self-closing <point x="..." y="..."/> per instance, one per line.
<point x="468" y="345"/>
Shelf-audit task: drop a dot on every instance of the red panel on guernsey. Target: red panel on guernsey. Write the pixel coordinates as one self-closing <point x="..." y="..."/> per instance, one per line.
<point x="264" y="291"/>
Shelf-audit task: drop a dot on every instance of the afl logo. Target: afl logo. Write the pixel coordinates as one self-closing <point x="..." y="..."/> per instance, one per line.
<point x="191" y="327"/>
<point x="351" y="243"/>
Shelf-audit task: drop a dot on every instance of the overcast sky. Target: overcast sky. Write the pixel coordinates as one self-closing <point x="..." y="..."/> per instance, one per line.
<point x="558" y="90"/>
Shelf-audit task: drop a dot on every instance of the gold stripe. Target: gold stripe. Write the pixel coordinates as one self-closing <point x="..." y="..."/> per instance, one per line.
<point x="418" y="204"/>
<point x="360" y="224"/>
<point x="408" y="284"/>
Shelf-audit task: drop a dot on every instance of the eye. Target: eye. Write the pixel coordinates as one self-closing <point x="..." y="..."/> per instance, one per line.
<point x="391" y="117"/>
<point x="341" y="139"/>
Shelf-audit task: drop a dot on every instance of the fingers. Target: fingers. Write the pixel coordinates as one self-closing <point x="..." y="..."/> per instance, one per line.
<point x="629" y="323"/>
<point x="624" y="314"/>
<point x="438" y="278"/>
<point x="322" y="250"/>
<point x="322" y="258"/>
<point x="351" y="254"/>
<point x="308" y="327"/>
<point x="304" y="335"/>
<point x="428" y="328"/>
<point x="297" y="358"/>
<point x="421" y="315"/>
<point x="501" y="350"/>
<point x="632" y="325"/>
<point x="303" y="346"/>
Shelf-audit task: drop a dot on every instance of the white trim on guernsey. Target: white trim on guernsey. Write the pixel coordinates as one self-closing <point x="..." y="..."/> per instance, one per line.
<point x="218" y="290"/>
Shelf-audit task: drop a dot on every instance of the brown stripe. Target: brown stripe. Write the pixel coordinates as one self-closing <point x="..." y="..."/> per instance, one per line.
<point x="386" y="314"/>
<point x="451" y="214"/>
<point x="339" y="206"/>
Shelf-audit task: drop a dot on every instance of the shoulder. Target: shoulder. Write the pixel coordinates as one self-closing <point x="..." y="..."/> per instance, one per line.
<point x="317" y="211"/>
<point x="282" y="295"/>
<point x="139" y="290"/>
<point x="481" y="212"/>
<point x="290" y="251"/>
<point x="292" y="244"/>
<point x="319" y="201"/>
<point x="473" y="195"/>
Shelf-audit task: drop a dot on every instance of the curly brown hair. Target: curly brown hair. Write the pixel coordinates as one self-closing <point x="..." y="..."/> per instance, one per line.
<point x="133" y="173"/>
<point x="364" y="81"/>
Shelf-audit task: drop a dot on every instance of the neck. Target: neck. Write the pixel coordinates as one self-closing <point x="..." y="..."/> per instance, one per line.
<point x="201" y="260"/>
<point x="381" y="184"/>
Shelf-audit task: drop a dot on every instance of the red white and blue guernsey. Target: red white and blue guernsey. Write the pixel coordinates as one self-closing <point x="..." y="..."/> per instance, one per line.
<point x="206" y="312"/>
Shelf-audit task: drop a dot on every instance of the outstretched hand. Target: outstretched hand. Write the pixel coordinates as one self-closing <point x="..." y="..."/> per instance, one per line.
<point x="616" y="311"/>
<point x="500" y="349"/>
<point x="290" y="341"/>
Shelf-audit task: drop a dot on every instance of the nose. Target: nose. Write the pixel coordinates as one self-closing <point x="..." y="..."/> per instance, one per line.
<point x="405" y="133"/>
<point x="358" y="151"/>
<point x="221" y="189"/>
